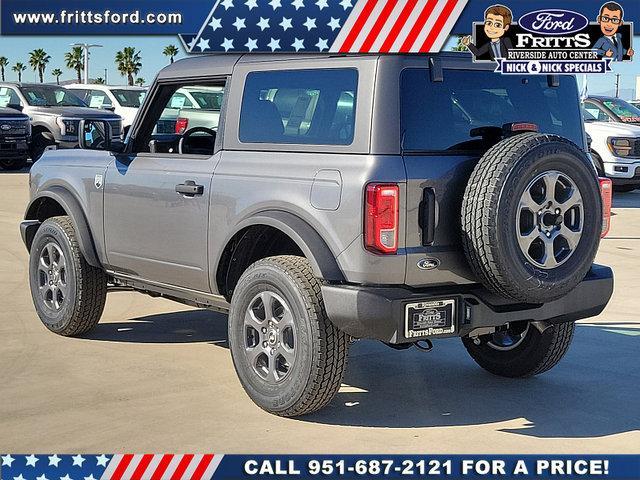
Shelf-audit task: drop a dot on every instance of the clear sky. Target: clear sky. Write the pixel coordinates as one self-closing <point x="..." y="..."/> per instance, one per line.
<point x="18" y="48"/>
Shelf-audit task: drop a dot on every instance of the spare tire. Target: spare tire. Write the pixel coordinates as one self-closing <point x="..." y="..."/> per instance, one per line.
<point x="532" y="217"/>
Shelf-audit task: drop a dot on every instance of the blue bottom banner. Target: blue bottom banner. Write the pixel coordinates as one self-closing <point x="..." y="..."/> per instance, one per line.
<point x="219" y="466"/>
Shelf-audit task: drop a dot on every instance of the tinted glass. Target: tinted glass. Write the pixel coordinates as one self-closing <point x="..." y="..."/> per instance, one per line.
<point x="626" y="112"/>
<point x="98" y="99"/>
<point x="8" y="97"/>
<point x="129" y="98"/>
<point x="300" y="107"/>
<point x="439" y="116"/>
<point x="44" y="96"/>
<point x="593" y="113"/>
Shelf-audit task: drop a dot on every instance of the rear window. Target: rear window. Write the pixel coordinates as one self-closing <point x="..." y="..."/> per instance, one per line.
<point x="439" y="116"/>
<point x="299" y="107"/>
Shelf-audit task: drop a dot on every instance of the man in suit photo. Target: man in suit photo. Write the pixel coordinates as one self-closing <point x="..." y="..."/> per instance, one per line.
<point x="497" y="19"/>
<point x="610" y="44"/>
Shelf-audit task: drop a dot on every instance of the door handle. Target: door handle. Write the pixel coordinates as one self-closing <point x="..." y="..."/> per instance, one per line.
<point x="190" y="188"/>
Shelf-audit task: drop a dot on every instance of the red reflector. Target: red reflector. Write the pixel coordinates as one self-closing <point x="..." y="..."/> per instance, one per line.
<point x="523" y="127"/>
<point x="181" y="125"/>
<point x="381" y="218"/>
<point x="606" y="192"/>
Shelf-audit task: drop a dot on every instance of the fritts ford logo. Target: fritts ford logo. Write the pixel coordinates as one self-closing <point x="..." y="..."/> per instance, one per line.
<point x="552" y="41"/>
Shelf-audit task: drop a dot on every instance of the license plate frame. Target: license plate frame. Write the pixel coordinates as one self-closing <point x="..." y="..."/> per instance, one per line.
<point x="430" y="318"/>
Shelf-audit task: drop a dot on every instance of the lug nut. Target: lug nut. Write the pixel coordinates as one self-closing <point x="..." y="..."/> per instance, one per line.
<point x="273" y="351"/>
<point x="264" y="330"/>
<point x="264" y="344"/>
<point x="557" y="211"/>
<point x="548" y="234"/>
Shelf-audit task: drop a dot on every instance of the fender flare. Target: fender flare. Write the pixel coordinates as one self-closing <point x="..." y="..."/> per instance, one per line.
<point x="73" y="209"/>
<point x="315" y="249"/>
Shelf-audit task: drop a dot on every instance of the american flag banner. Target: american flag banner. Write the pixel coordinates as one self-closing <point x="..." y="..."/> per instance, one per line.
<point x="109" y="467"/>
<point x="340" y="26"/>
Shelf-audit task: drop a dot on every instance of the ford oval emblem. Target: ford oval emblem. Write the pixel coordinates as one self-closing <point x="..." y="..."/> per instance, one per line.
<point x="428" y="263"/>
<point x="553" y="22"/>
<point x="5" y="127"/>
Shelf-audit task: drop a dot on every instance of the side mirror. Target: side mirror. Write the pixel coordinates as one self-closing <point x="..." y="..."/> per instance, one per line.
<point x="111" y="108"/>
<point x="15" y="106"/>
<point x="94" y="135"/>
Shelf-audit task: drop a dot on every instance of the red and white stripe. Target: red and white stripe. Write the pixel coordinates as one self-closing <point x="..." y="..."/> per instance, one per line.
<point x="398" y="26"/>
<point x="162" y="467"/>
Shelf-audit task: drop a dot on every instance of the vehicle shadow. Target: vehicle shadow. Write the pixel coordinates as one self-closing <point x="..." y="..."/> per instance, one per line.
<point x="592" y="392"/>
<point x="191" y="326"/>
<point x="626" y="200"/>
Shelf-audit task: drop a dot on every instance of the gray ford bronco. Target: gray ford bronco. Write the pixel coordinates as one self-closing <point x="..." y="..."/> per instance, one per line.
<point x="333" y="198"/>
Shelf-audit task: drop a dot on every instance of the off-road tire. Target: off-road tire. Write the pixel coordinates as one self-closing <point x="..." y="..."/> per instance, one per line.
<point x="537" y="353"/>
<point x="13" y="164"/>
<point x="489" y="209"/>
<point x="322" y="349"/>
<point x="83" y="308"/>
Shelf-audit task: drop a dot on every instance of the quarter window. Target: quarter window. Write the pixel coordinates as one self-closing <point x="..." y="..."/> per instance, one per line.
<point x="299" y="107"/>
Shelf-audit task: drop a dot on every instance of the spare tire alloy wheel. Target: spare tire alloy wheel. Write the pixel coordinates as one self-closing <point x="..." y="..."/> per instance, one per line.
<point x="532" y="217"/>
<point x="549" y="219"/>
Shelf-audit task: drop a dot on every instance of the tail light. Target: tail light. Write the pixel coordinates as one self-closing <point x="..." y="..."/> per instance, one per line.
<point x="606" y="191"/>
<point x="381" y="218"/>
<point x="181" y="125"/>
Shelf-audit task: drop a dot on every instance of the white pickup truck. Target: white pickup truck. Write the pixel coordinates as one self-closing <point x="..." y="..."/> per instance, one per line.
<point x="614" y="128"/>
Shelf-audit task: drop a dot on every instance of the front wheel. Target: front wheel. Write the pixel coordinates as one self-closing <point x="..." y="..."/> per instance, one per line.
<point x="289" y="357"/>
<point x="68" y="293"/>
<point x="521" y="349"/>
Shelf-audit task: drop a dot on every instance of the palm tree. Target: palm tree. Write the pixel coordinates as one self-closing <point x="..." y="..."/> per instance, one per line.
<point x="19" y="68"/>
<point x="75" y="61"/>
<point x="129" y="63"/>
<point x="99" y="81"/>
<point x="38" y="60"/>
<point x="4" y="62"/>
<point x="170" y="51"/>
<point x="140" y="82"/>
<point x="56" y="72"/>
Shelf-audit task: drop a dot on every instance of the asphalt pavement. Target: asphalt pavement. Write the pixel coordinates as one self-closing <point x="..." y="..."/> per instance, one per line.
<point x="156" y="376"/>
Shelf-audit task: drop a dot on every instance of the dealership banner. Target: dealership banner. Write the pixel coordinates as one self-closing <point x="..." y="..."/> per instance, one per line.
<point x="208" y="466"/>
<point x="303" y="26"/>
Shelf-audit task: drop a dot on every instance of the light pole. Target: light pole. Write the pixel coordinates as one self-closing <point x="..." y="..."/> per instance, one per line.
<point x="85" y="47"/>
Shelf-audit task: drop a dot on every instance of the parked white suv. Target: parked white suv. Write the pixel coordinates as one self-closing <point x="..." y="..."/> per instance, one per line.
<point x="614" y="127"/>
<point x="124" y="101"/>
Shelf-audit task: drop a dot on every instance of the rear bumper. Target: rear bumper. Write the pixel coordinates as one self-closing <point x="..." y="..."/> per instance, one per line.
<point x="378" y="312"/>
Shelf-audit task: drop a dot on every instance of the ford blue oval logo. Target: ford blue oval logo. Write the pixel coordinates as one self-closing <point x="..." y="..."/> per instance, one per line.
<point x="553" y="22"/>
<point x="428" y="263"/>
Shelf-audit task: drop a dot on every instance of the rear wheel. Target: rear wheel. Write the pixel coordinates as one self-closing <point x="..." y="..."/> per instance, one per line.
<point x="521" y="349"/>
<point x="289" y="357"/>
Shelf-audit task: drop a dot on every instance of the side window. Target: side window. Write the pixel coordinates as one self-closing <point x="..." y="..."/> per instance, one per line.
<point x="81" y="94"/>
<point x="8" y="96"/>
<point x="171" y="126"/>
<point x="98" y="99"/>
<point x="596" y="112"/>
<point x="299" y="107"/>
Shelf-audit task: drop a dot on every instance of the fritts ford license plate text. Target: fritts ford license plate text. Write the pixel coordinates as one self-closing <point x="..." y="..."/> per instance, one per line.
<point x="435" y="317"/>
